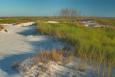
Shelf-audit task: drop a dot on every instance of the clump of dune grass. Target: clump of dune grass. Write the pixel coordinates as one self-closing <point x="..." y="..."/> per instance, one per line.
<point x="60" y="57"/>
<point x="1" y="27"/>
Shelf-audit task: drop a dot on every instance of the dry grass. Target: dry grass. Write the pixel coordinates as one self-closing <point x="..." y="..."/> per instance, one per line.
<point x="1" y="27"/>
<point x="54" y="55"/>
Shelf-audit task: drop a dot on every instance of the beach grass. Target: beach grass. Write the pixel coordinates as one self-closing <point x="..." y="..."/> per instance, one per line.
<point x="90" y="43"/>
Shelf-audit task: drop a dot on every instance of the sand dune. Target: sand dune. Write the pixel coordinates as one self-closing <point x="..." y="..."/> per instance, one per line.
<point x="18" y="43"/>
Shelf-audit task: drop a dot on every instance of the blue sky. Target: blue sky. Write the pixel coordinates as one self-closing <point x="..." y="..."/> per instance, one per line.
<point x="52" y="7"/>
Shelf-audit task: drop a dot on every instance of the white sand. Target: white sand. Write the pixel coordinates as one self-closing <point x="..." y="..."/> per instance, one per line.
<point x="13" y="43"/>
<point x="52" y="22"/>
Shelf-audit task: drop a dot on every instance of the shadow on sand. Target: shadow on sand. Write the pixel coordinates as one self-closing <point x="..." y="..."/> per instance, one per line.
<point x="29" y="30"/>
<point x="6" y="63"/>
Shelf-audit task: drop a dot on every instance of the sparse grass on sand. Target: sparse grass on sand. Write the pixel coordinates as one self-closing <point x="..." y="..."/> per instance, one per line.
<point x="54" y="55"/>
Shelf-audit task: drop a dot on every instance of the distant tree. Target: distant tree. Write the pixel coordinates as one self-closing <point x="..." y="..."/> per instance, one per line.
<point x="69" y="12"/>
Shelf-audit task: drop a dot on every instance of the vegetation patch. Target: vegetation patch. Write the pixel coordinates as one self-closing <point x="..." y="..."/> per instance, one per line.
<point x="1" y="27"/>
<point x="90" y="43"/>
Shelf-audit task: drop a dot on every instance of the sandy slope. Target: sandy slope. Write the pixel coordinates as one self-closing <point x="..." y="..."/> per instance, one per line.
<point x="13" y="43"/>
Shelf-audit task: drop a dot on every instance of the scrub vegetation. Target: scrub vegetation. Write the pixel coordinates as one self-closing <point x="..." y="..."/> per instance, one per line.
<point x="106" y="21"/>
<point x="1" y="27"/>
<point x="92" y="44"/>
